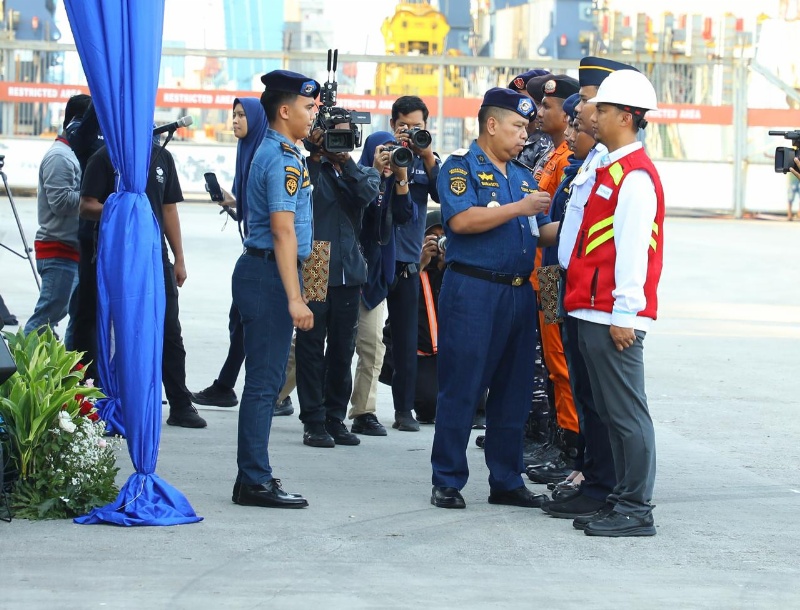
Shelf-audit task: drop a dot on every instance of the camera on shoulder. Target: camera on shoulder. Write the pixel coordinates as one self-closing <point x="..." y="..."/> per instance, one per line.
<point x="784" y="155"/>
<point x="330" y="116"/>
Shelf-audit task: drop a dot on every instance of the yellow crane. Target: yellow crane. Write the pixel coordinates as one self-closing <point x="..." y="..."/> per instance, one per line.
<point x="416" y="28"/>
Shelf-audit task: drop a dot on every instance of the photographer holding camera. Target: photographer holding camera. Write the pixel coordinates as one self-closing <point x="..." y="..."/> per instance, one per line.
<point x="342" y="191"/>
<point x="409" y="118"/>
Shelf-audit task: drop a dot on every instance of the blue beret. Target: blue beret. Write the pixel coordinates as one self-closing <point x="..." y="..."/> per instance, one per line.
<point x="290" y="82"/>
<point x="518" y="82"/>
<point x="510" y="100"/>
<point x="569" y="105"/>
<point x="560" y="86"/>
<point x="593" y="70"/>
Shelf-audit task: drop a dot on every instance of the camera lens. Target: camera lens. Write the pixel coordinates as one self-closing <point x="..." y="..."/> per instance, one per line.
<point x="442" y="243"/>
<point x="339" y="140"/>
<point x="402" y="157"/>
<point x="421" y="138"/>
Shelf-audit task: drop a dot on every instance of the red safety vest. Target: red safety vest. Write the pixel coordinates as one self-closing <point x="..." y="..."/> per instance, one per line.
<point x="590" y="278"/>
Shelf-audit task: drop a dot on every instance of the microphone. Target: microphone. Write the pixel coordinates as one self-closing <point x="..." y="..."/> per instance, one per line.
<point x="184" y="121"/>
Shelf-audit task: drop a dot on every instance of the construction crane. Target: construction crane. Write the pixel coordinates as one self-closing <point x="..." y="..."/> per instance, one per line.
<point x="416" y="28"/>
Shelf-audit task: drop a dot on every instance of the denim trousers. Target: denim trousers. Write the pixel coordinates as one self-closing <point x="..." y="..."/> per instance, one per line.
<point x="259" y="296"/>
<point x="59" y="280"/>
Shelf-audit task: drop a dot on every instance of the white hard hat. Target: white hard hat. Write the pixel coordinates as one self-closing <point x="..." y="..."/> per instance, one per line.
<point x="626" y="88"/>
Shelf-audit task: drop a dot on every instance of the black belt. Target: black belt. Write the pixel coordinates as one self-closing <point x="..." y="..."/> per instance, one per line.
<point x="268" y="254"/>
<point x="490" y="276"/>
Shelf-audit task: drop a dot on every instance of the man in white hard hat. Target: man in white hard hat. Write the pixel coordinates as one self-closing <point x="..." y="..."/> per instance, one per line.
<point x="611" y="290"/>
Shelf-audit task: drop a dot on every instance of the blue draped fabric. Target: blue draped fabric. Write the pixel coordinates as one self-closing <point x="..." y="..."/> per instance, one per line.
<point x="119" y="43"/>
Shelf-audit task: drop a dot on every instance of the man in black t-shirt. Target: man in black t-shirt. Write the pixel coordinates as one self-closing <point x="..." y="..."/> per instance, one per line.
<point x="164" y="192"/>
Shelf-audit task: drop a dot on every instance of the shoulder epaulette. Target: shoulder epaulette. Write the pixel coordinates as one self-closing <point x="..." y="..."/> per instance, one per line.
<point x="288" y="148"/>
<point x="461" y="152"/>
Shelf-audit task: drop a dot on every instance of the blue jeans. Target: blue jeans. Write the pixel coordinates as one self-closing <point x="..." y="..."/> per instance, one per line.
<point x="59" y="280"/>
<point x="259" y="295"/>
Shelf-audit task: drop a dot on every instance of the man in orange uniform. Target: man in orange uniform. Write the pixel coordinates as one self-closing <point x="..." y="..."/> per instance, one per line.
<point x="549" y="174"/>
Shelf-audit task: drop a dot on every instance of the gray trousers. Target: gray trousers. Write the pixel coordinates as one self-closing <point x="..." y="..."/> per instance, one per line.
<point x="617" y="380"/>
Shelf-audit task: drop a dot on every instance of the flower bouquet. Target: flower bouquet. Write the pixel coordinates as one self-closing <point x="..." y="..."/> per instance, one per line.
<point x="64" y="464"/>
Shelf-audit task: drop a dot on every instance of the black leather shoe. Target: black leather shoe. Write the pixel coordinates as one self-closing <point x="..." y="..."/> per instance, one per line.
<point x="185" y="418"/>
<point x="561" y="494"/>
<point x="575" y="506"/>
<point x="269" y="495"/>
<point x="552" y="472"/>
<point x="215" y="395"/>
<point x="480" y="440"/>
<point x="368" y="425"/>
<point x="521" y="496"/>
<point x="617" y="525"/>
<point x="405" y="422"/>
<point x="341" y="435"/>
<point x="315" y="435"/>
<point x="547" y="453"/>
<point x="580" y="523"/>
<point x="447" y="497"/>
<point x="283" y="407"/>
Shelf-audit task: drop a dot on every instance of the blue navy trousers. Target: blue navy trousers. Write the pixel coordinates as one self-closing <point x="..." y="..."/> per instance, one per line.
<point x="487" y="335"/>
<point x="259" y="296"/>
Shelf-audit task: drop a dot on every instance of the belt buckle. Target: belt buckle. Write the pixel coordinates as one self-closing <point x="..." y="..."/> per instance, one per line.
<point x="517" y="281"/>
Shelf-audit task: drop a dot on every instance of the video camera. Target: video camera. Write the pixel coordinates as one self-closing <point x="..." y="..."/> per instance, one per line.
<point x="785" y="156"/>
<point x="329" y="116"/>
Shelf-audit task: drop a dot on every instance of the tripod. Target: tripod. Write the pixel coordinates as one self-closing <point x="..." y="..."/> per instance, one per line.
<point x="25" y="245"/>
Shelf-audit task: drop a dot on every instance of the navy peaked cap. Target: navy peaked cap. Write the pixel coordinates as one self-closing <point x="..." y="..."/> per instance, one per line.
<point x="290" y="82"/>
<point x="510" y="100"/>
<point x="593" y="70"/>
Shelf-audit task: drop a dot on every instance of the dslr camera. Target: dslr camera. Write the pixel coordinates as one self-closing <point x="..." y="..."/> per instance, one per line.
<point x="421" y="138"/>
<point x="400" y="155"/>
<point x="785" y="156"/>
<point x="337" y="140"/>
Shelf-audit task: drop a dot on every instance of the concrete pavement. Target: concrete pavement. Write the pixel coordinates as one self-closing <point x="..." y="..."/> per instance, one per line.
<point x="723" y="390"/>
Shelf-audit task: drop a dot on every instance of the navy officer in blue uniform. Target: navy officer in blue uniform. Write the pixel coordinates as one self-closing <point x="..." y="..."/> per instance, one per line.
<point x="494" y="221"/>
<point x="266" y="279"/>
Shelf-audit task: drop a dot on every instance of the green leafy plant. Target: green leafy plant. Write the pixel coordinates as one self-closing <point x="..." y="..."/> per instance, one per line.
<point x="64" y="464"/>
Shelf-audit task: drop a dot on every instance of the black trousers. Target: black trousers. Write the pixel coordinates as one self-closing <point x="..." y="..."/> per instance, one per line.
<point x="324" y="378"/>
<point x="173" y="365"/>
<point x="229" y="372"/>
<point x="84" y="338"/>
<point x="403" y="305"/>
<point x="598" y="461"/>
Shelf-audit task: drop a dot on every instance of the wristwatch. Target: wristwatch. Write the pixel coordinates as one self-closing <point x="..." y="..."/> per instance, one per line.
<point x="402" y="183"/>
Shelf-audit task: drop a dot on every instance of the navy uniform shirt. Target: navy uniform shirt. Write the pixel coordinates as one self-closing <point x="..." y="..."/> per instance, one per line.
<point x="408" y="236"/>
<point x="278" y="182"/>
<point x="471" y="179"/>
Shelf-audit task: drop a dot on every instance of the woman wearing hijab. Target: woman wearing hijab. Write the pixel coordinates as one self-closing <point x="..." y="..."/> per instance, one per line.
<point x="393" y="206"/>
<point x="249" y="127"/>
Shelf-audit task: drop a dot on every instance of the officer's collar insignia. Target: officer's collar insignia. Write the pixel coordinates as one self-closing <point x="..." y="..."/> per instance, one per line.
<point x="524" y="106"/>
<point x="481" y="158"/>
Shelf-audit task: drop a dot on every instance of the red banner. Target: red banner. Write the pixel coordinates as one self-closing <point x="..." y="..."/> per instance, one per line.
<point x="381" y="104"/>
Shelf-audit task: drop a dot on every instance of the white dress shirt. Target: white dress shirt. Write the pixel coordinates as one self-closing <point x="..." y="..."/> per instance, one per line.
<point x="633" y="228"/>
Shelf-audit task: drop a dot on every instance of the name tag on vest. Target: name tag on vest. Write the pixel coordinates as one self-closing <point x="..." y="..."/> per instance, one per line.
<point x="604" y="191"/>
